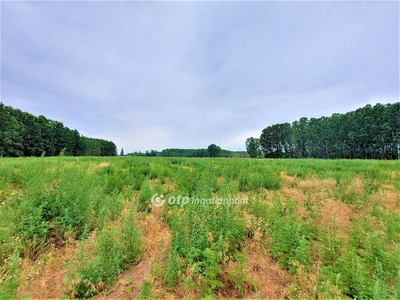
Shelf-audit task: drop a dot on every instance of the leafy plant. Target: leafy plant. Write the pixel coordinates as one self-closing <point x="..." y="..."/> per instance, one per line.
<point x="145" y="290"/>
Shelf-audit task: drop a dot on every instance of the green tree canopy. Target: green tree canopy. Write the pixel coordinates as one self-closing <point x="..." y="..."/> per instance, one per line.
<point x="213" y="151"/>
<point x="253" y="147"/>
<point x="23" y="134"/>
<point x="367" y="133"/>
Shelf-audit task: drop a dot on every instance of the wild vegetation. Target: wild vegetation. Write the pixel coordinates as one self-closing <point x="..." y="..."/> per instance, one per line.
<point x="23" y="134"/>
<point x="82" y="226"/>
<point x="367" y="133"/>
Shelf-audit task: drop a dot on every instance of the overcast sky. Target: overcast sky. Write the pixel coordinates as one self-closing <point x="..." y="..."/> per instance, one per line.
<point x="156" y="75"/>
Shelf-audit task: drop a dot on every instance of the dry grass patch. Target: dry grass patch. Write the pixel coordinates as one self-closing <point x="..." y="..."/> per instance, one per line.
<point x="357" y="186"/>
<point x="329" y="184"/>
<point x="269" y="279"/>
<point x="93" y="167"/>
<point x="309" y="185"/>
<point x="103" y="164"/>
<point x="44" y="278"/>
<point x="155" y="181"/>
<point x="335" y="212"/>
<point x="389" y="197"/>
<point x="169" y="185"/>
<point x="155" y="232"/>
<point x="294" y="194"/>
<point x="314" y="185"/>
<point x="288" y="180"/>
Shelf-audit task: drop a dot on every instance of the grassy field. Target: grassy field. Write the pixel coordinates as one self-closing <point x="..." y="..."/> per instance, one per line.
<point x="136" y="227"/>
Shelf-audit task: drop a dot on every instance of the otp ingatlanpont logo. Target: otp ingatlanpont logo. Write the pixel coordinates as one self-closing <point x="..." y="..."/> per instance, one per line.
<point x="157" y="201"/>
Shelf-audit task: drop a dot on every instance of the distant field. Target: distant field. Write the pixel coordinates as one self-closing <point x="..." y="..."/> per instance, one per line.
<point x="137" y="227"/>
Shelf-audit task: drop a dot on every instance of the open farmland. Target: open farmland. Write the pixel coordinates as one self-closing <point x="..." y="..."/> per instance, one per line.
<point x="227" y="228"/>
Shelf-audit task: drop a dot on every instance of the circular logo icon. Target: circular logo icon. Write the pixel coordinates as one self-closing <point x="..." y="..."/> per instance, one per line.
<point x="157" y="201"/>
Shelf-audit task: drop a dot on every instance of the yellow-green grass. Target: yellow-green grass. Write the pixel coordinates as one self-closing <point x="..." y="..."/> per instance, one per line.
<point x="77" y="227"/>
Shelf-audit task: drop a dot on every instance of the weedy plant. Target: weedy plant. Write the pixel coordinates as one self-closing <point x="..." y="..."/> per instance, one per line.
<point x="332" y="227"/>
<point x="114" y="250"/>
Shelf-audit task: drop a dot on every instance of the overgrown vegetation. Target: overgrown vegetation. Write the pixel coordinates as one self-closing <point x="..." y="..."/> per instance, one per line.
<point x="331" y="228"/>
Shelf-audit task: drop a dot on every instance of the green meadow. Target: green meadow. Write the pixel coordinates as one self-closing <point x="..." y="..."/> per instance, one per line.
<point x="82" y="227"/>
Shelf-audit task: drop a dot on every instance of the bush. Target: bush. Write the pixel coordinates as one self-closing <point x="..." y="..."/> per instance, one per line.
<point x="145" y="195"/>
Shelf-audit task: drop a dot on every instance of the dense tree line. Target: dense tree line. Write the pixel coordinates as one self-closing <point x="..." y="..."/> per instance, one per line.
<point x="173" y="152"/>
<point x="97" y="147"/>
<point x="212" y="151"/>
<point x="367" y="133"/>
<point x="23" y="134"/>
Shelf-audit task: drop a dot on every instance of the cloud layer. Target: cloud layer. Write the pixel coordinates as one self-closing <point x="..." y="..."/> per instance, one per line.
<point x="154" y="75"/>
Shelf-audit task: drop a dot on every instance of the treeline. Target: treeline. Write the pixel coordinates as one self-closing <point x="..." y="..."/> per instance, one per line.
<point x="212" y="151"/>
<point x="367" y="133"/>
<point x="97" y="147"/>
<point x="23" y="134"/>
<point x="209" y="152"/>
<point x="173" y="152"/>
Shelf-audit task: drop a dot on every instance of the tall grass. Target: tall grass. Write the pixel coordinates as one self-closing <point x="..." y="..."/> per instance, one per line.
<point x="96" y="201"/>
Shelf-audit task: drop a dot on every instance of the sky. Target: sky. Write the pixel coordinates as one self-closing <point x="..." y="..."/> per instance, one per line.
<point x="176" y="74"/>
